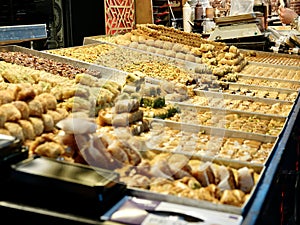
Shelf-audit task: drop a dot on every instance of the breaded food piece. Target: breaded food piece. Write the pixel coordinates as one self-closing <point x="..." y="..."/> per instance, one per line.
<point x="35" y="108"/>
<point x="26" y="93"/>
<point x="3" y="117"/>
<point x="4" y="131"/>
<point x="15" y="130"/>
<point x="47" y="100"/>
<point x="37" y="124"/>
<point x="76" y="104"/>
<point x="6" y="96"/>
<point x="28" y="129"/>
<point x="58" y="115"/>
<point x="12" y="112"/>
<point x="63" y="112"/>
<point x="49" y="149"/>
<point x="23" y="108"/>
<point x="85" y="79"/>
<point x="48" y="122"/>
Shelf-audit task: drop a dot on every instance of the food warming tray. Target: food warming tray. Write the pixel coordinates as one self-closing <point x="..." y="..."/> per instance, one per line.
<point x="61" y="186"/>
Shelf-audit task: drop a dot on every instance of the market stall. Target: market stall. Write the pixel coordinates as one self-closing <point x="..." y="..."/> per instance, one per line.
<point x="185" y="121"/>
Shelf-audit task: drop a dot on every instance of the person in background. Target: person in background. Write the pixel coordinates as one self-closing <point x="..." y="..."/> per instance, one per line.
<point x="286" y="15"/>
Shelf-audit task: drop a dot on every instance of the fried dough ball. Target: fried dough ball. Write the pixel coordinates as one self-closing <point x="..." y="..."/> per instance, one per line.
<point x="133" y="44"/>
<point x="180" y="55"/>
<point x="171" y="53"/>
<point x="28" y="129"/>
<point x="49" y="149"/>
<point x="4" y="131"/>
<point x="167" y="45"/>
<point x="160" y="51"/>
<point x="15" y="130"/>
<point x="48" y="101"/>
<point x="23" y="108"/>
<point x="134" y="38"/>
<point x="190" y="57"/>
<point x="149" y="42"/>
<point x="37" y="124"/>
<point x="12" y="113"/>
<point x="151" y="49"/>
<point x="142" y="47"/>
<point x="177" y="47"/>
<point x="63" y="112"/>
<point x="158" y="43"/>
<point x="48" y="122"/>
<point x="142" y="39"/>
<point x="3" y="117"/>
<point x="6" y="96"/>
<point x="58" y="114"/>
<point x="35" y="108"/>
<point x="25" y="93"/>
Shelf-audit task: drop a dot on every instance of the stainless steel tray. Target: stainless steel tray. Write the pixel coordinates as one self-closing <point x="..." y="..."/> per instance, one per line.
<point x="239" y="86"/>
<point x="214" y="132"/>
<point x="275" y="65"/>
<point x="214" y="109"/>
<point x="221" y="95"/>
<point x="234" y="97"/>
<point x="194" y="128"/>
<point x="104" y="72"/>
<point x="277" y="58"/>
<point x="296" y="83"/>
<point x="220" y="114"/>
<point x="192" y="66"/>
<point x="138" y="192"/>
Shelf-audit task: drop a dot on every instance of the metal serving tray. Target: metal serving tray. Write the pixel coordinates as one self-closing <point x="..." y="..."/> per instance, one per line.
<point x="223" y="113"/>
<point x="226" y="111"/>
<point x="104" y="72"/>
<point x="275" y="65"/>
<point x="215" y="132"/>
<point x="84" y="176"/>
<point x="138" y="192"/>
<point x="225" y="95"/>
<point x="192" y="66"/>
<point x="222" y="96"/>
<point x="243" y="76"/>
<point x="238" y="86"/>
<point x="66" y="187"/>
<point x="276" y="57"/>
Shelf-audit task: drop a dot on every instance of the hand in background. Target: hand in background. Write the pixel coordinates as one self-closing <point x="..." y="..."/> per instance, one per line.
<point x="287" y="15"/>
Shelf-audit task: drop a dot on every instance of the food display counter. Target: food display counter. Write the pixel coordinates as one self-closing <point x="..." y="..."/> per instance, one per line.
<point x="194" y="124"/>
